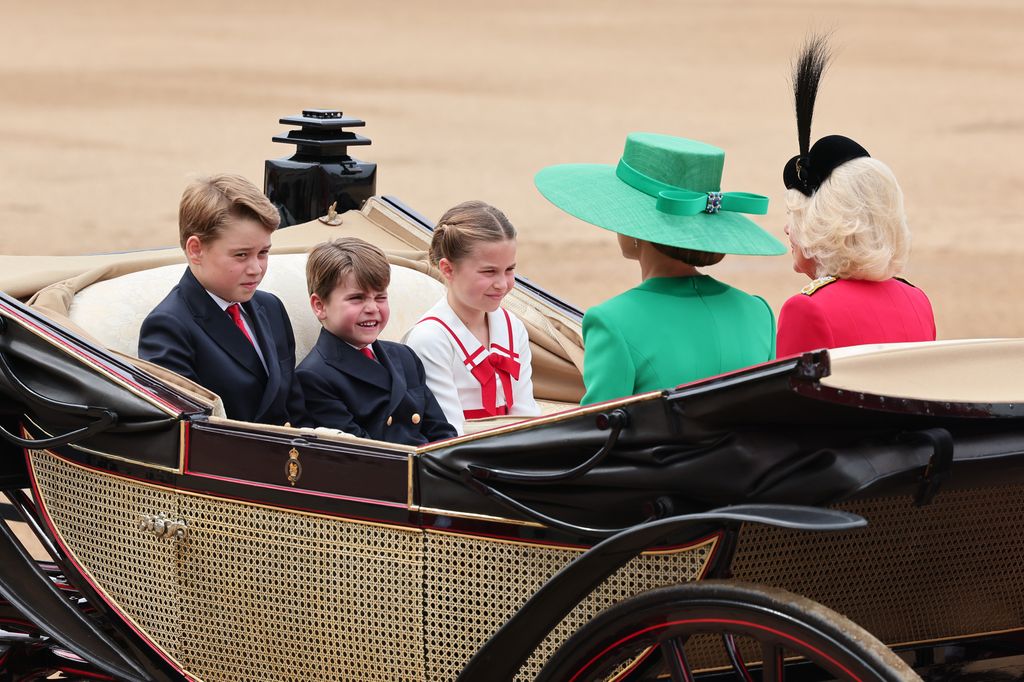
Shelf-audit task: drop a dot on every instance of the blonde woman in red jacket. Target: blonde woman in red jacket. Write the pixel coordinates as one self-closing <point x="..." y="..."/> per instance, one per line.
<point x="848" y="232"/>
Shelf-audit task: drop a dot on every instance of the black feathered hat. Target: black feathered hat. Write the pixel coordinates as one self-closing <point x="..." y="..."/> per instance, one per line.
<point x="806" y="171"/>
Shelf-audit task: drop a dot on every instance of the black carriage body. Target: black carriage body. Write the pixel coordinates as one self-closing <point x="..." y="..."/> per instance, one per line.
<point x="212" y="549"/>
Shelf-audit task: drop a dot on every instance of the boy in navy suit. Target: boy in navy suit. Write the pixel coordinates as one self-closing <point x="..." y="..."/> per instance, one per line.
<point x="352" y="381"/>
<point x="214" y="327"/>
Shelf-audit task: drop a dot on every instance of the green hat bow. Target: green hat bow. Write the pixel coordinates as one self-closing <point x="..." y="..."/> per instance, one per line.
<point x="678" y="201"/>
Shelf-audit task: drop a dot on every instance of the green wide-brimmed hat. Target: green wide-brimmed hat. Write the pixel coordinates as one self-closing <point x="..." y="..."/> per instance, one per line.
<point x="665" y="190"/>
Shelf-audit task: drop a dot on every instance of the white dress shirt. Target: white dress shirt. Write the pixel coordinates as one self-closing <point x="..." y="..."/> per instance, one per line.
<point x="224" y="305"/>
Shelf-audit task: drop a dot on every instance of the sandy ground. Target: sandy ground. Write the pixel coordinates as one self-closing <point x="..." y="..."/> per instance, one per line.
<point x="108" y="108"/>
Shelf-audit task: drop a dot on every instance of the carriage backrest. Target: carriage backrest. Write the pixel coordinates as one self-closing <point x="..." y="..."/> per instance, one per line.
<point x="113" y="310"/>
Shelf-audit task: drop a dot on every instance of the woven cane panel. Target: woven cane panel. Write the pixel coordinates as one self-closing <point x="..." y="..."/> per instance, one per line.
<point x="474" y="585"/>
<point x="253" y="593"/>
<point x="96" y="518"/>
<point x="951" y="568"/>
<point x="274" y="595"/>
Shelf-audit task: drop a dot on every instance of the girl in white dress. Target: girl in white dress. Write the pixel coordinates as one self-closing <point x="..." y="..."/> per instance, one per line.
<point x="476" y="354"/>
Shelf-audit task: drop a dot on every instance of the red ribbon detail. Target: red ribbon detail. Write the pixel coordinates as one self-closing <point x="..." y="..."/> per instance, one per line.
<point x="483" y="414"/>
<point x="487" y="372"/>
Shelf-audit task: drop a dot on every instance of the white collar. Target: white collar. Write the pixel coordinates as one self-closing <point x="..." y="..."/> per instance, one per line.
<point x="224" y="305"/>
<point x="499" y="330"/>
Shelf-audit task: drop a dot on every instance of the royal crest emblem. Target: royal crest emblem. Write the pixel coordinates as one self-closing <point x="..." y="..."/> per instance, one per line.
<point x="293" y="467"/>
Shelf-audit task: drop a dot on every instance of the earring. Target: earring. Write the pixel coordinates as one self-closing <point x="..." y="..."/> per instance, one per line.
<point x="636" y="243"/>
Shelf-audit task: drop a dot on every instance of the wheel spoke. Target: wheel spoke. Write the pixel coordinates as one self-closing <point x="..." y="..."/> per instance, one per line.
<point x="772" y="664"/>
<point x="673" y="651"/>
<point x="738" y="666"/>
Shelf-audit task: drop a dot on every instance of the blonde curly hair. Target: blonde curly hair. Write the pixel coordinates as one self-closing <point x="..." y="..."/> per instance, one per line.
<point x="854" y="226"/>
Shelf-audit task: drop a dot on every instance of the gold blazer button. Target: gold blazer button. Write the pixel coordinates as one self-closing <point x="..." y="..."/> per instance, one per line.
<point x="390" y="419"/>
<point x="415" y="418"/>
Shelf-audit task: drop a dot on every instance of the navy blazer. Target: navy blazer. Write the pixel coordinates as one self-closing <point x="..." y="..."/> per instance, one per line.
<point x="384" y="399"/>
<point x="190" y="334"/>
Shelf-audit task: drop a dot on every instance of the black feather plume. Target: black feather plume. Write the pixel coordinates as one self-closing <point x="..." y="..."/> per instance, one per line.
<point x="807" y="71"/>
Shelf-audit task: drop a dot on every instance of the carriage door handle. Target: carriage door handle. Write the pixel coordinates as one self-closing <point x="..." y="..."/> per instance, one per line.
<point x="613" y="422"/>
<point x="163" y="527"/>
<point x="939" y="464"/>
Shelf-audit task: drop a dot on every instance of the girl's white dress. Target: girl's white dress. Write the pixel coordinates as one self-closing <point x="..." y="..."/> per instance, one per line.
<point x="468" y="380"/>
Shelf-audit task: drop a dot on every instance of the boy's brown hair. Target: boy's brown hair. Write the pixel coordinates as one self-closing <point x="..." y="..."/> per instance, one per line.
<point x="208" y="203"/>
<point x="330" y="262"/>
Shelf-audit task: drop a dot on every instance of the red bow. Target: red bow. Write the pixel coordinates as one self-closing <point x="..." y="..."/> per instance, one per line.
<point x="487" y="371"/>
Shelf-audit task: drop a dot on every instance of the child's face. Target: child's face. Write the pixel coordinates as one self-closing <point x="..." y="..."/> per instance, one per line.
<point x="481" y="279"/>
<point x="232" y="264"/>
<point x="353" y="314"/>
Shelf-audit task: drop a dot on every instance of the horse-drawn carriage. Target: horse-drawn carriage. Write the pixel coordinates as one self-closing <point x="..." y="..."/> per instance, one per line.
<point x="705" y="532"/>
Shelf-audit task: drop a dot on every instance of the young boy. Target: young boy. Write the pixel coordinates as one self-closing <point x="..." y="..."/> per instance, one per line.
<point x="214" y="327"/>
<point x="352" y="381"/>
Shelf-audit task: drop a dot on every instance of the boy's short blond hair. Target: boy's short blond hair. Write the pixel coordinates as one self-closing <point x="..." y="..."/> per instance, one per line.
<point x="331" y="262"/>
<point x="854" y="226"/>
<point x="208" y="203"/>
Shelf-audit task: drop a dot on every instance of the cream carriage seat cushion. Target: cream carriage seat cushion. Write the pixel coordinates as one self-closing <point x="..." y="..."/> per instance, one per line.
<point x="113" y="310"/>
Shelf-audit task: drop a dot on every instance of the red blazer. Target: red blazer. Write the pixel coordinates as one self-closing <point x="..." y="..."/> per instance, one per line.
<point x="832" y="313"/>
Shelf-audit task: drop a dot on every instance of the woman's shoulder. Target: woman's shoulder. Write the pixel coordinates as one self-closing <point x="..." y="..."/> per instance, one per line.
<point x="601" y="312"/>
<point x="916" y="296"/>
<point x="621" y="301"/>
<point x="826" y="293"/>
<point x="818" y="285"/>
<point x="654" y="294"/>
<point x="730" y="297"/>
<point x="799" y="302"/>
<point x="820" y="290"/>
<point x="909" y="287"/>
<point x="826" y="289"/>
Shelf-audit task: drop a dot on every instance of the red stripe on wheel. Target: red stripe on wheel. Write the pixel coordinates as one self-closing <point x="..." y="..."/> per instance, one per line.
<point x="717" y="621"/>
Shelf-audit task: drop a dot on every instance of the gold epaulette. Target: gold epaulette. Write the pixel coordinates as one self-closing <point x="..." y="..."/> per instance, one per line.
<point x="818" y="284"/>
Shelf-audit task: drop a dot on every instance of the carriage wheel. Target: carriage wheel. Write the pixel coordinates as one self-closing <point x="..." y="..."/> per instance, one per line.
<point x="649" y="633"/>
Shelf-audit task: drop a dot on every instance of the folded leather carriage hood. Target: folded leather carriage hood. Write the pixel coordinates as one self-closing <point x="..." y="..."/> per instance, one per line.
<point x="763" y="435"/>
<point x="54" y="383"/>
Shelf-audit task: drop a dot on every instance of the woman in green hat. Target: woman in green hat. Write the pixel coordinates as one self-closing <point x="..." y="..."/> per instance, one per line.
<point x="664" y="200"/>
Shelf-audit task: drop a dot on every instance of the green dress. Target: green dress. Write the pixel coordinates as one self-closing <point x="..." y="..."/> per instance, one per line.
<point x="669" y="331"/>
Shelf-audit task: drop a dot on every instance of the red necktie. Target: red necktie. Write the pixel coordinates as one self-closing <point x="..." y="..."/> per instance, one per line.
<point x="365" y="350"/>
<point x="235" y="311"/>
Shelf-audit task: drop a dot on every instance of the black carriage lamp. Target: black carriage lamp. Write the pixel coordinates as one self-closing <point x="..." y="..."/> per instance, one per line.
<point x="321" y="172"/>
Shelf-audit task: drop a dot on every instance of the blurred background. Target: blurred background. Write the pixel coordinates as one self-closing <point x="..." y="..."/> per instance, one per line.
<point x="107" y="109"/>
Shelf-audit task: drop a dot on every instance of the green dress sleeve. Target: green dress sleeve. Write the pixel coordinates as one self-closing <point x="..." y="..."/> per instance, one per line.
<point x="608" y="369"/>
